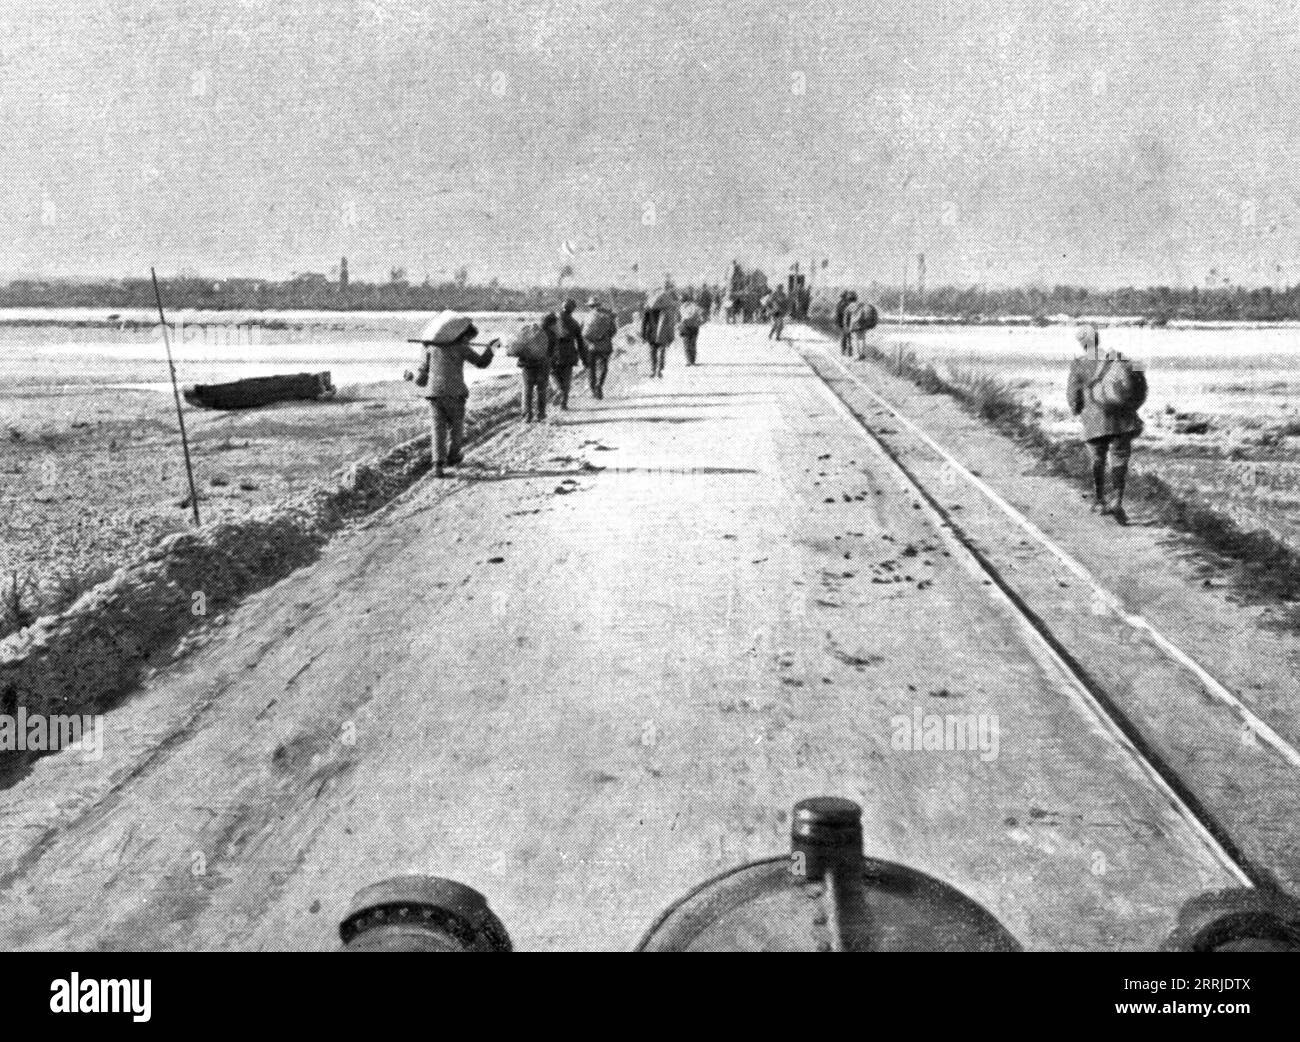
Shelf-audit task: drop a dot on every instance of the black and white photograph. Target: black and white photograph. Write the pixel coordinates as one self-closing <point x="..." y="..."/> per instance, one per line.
<point x="609" y="476"/>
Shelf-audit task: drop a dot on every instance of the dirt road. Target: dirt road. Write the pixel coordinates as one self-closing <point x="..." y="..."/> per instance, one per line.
<point x="595" y="668"/>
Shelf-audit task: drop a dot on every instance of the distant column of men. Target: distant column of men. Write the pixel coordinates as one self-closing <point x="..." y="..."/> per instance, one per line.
<point x="547" y="352"/>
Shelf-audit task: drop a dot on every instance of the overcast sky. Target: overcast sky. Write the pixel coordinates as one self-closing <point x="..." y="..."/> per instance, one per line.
<point x="1094" y="141"/>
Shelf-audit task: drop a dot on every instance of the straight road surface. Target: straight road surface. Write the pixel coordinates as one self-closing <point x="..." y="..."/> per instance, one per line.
<point x="593" y="669"/>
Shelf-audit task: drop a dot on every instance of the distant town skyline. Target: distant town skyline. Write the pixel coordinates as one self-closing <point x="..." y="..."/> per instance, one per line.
<point x="1142" y="142"/>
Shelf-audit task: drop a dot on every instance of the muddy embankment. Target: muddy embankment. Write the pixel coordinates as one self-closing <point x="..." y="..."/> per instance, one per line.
<point x="87" y="657"/>
<point x="84" y="659"/>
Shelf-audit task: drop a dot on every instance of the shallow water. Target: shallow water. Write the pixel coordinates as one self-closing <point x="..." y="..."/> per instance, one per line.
<point x="1244" y="372"/>
<point x="75" y="348"/>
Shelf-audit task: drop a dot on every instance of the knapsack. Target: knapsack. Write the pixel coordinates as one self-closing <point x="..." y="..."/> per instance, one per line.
<point x="865" y="318"/>
<point x="1115" y="386"/>
<point x="529" y="344"/>
<point x="600" y="326"/>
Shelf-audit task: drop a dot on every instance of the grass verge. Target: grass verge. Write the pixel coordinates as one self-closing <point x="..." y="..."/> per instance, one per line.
<point x="1266" y="570"/>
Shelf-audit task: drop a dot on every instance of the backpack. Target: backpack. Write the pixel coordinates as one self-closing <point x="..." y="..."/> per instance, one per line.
<point x="659" y="326"/>
<point x="865" y="318"/>
<point x="1115" y="386"/>
<point x="600" y="327"/>
<point x="530" y="344"/>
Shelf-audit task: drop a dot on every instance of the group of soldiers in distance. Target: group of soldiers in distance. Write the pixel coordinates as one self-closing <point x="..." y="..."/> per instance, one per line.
<point x="548" y="352"/>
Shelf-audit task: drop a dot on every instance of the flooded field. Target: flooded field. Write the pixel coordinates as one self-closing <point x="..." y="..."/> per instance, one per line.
<point x="91" y="472"/>
<point x="49" y="351"/>
<point x="90" y="469"/>
<point x="1222" y="417"/>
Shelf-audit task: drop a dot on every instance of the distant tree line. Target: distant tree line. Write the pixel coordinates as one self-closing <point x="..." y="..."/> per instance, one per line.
<point x="1156" y="304"/>
<point x="306" y="292"/>
<point x="312" y="292"/>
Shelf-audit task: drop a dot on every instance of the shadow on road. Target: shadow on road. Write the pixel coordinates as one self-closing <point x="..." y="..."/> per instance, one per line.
<point x="637" y="403"/>
<point x="474" y="476"/>
<point x="704" y="394"/>
<point x="751" y="365"/>
<point x="632" y="419"/>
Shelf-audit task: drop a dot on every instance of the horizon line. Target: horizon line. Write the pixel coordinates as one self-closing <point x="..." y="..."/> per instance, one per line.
<point x="7" y="281"/>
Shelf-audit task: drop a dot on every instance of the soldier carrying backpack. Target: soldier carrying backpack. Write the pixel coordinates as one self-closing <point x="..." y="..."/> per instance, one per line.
<point x="865" y="317"/>
<point x="599" y="335"/>
<point x="569" y="349"/>
<point x="691" y="319"/>
<point x="1106" y="390"/>
<point x="659" y="326"/>
<point x="532" y="349"/>
<point x="844" y="320"/>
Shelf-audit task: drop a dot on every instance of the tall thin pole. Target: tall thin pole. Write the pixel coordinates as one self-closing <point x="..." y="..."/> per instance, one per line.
<point x="180" y="413"/>
<point x="902" y="296"/>
<point x="902" y="309"/>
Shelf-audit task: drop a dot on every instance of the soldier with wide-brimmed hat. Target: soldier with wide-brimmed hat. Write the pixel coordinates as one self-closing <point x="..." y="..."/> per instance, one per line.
<point x="1105" y="390"/>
